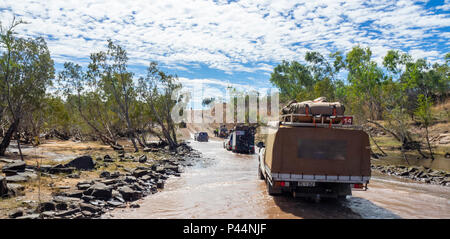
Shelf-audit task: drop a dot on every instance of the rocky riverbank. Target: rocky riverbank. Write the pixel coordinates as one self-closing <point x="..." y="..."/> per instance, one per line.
<point x="421" y="174"/>
<point x="94" y="197"/>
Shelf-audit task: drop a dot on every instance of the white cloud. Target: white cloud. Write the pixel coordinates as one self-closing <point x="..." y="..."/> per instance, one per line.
<point x="231" y="37"/>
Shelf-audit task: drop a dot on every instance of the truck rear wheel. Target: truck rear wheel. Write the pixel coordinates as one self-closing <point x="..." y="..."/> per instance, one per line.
<point x="272" y="191"/>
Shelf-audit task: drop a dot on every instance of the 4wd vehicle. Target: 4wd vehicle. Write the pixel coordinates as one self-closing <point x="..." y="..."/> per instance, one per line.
<point x="315" y="159"/>
<point x="201" y="137"/>
<point x="243" y="139"/>
<point x="228" y="142"/>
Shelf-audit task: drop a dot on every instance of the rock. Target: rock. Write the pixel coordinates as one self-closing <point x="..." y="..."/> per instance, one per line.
<point x="135" y="205"/>
<point x="160" y="184"/>
<point x="48" y="214"/>
<point x="83" y="186"/>
<point x="143" y="158"/>
<point x="16" y="189"/>
<point x="74" y="194"/>
<point x="16" y="213"/>
<point x="67" y="200"/>
<point x="61" y="206"/>
<point x="114" y="203"/>
<point x="105" y="174"/>
<point x="89" y="207"/>
<point x="44" y="168"/>
<point x="82" y="163"/>
<point x="30" y="216"/>
<point x="73" y="175"/>
<point x="13" y="168"/>
<point x="129" y="194"/>
<point x="99" y="190"/>
<point x="140" y="173"/>
<point x="87" y="214"/>
<point x="2" y="160"/>
<point x="16" y="179"/>
<point x="115" y="174"/>
<point x="146" y="177"/>
<point x="61" y="169"/>
<point x="109" y="181"/>
<point x="46" y="206"/>
<point x="67" y="213"/>
<point x="130" y="179"/>
<point x="87" y="198"/>
<point x="108" y="160"/>
<point x="3" y="187"/>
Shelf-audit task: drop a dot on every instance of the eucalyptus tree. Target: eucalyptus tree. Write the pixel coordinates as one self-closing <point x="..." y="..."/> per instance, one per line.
<point x="108" y="69"/>
<point x="157" y="90"/>
<point x="83" y="95"/>
<point x="26" y="70"/>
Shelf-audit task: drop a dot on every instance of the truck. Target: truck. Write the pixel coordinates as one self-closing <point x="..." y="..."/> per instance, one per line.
<point x="222" y="131"/>
<point x="315" y="160"/>
<point x="243" y="139"/>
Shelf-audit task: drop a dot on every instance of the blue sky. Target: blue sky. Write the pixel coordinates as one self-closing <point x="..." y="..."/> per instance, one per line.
<point x="219" y="43"/>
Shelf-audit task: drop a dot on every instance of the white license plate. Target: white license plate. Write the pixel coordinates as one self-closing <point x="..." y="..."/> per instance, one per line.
<point x="306" y="184"/>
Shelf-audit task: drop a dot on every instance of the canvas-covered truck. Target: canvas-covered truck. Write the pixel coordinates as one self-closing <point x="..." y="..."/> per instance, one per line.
<point x="243" y="139"/>
<point x="315" y="158"/>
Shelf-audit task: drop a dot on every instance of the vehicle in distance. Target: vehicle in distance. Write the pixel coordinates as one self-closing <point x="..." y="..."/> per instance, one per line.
<point x="222" y="131"/>
<point x="315" y="160"/>
<point x="243" y="139"/>
<point x="201" y="137"/>
<point x="228" y="142"/>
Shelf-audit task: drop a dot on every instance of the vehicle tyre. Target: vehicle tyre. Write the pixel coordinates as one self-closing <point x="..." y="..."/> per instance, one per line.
<point x="260" y="174"/>
<point x="271" y="190"/>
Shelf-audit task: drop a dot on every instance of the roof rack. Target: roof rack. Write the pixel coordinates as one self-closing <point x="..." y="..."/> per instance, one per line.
<point x="322" y="121"/>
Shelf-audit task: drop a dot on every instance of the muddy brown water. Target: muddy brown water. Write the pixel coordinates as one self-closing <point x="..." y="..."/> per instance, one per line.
<point x="225" y="185"/>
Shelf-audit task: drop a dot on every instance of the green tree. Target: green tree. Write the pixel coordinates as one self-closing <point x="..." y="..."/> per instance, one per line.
<point x="294" y="80"/>
<point x="109" y="70"/>
<point x="424" y="116"/>
<point x="156" y="89"/>
<point x="26" y="70"/>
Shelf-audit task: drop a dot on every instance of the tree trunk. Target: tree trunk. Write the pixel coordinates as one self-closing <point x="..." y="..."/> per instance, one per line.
<point x="18" y="146"/>
<point x="429" y="146"/>
<point x="8" y="136"/>
<point x="375" y="142"/>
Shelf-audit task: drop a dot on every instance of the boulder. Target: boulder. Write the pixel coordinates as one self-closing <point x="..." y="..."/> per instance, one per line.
<point x="16" y="189"/>
<point x="74" y="194"/>
<point x="47" y="206"/>
<point x="143" y="158"/>
<point x="3" y="187"/>
<point x="62" y="206"/>
<point x="139" y="173"/>
<point x="16" y="179"/>
<point x="129" y="194"/>
<point x="16" y="213"/>
<point x="82" y="163"/>
<point x="89" y="207"/>
<point x="105" y="174"/>
<point x="100" y="191"/>
<point x="13" y="168"/>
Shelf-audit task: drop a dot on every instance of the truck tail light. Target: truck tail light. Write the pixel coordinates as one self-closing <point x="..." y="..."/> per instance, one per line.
<point x="282" y="184"/>
<point x="358" y="185"/>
